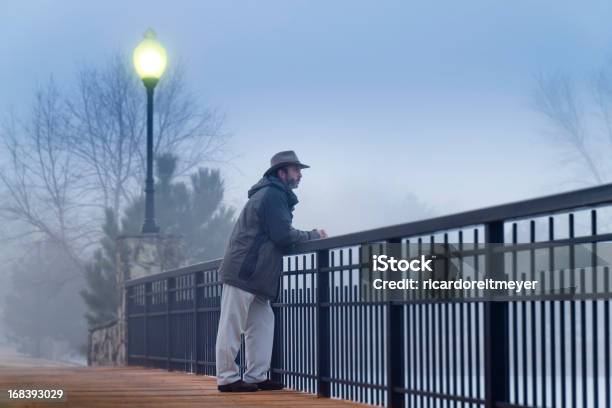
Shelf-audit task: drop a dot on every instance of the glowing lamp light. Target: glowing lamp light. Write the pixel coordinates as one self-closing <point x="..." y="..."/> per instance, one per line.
<point x="150" y="57"/>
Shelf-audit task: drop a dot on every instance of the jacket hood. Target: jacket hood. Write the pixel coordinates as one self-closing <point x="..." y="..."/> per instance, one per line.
<point x="273" y="181"/>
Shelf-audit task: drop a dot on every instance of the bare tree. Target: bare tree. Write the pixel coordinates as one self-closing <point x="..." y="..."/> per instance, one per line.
<point x="109" y="122"/>
<point x="41" y="180"/>
<point x="78" y="154"/>
<point x="74" y="155"/>
<point x="580" y="116"/>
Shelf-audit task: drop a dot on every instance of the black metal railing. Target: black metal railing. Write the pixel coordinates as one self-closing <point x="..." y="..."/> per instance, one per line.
<point x="548" y="349"/>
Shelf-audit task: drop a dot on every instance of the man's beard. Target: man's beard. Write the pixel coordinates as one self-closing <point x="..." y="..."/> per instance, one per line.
<point x="292" y="183"/>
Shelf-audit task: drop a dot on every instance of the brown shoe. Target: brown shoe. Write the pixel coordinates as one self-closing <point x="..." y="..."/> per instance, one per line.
<point x="238" y="386"/>
<point x="269" y="385"/>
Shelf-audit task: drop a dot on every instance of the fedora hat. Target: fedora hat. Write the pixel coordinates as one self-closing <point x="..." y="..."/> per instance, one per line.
<point x="282" y="159"/>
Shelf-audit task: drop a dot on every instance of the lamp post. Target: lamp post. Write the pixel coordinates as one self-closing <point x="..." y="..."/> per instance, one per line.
<point x="150" y="62"/>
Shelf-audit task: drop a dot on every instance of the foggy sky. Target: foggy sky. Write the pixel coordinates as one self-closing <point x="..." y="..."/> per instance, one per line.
<point x="403" y="109"/>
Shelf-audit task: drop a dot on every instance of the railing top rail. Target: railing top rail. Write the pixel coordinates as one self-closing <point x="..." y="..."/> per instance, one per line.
<point x="550" y="204"/>
<point x="588" y="197"/>
<point x="201" y="266"/>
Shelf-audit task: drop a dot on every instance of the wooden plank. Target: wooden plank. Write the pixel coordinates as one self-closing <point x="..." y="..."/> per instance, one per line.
<point x="135" y="387"/>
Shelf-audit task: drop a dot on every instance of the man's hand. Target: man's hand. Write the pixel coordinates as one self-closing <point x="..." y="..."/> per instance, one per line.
<point x="322" y="233"/>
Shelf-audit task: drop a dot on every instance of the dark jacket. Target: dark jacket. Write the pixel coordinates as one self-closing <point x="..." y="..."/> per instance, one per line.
<point x="253" y="260"/>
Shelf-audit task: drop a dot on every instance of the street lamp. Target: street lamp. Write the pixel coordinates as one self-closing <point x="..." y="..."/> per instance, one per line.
<point x="150" y="62"/>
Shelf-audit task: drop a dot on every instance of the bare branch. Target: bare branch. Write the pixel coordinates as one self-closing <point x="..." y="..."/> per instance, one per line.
<point x="557" y="100"/>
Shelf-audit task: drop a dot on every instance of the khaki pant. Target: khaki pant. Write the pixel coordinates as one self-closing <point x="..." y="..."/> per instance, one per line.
<point x="244" y="312"/>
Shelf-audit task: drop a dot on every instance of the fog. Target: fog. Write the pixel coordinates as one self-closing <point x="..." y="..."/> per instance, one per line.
<point x="403" y="111"/>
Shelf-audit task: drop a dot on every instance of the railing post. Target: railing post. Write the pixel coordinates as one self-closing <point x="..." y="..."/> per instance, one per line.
<point x="496" y="336"/>
<point x="197" y="281"/>
<point x="322" y="321"/>
<point x="278" y="342"/>
<point x="147" y="299"/>
<point x="394" y="333"/>
<point x="170" y="284"/>
<point x="124" y="320"/>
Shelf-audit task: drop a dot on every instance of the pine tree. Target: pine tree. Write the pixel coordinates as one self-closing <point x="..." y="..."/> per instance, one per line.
<point x="195" y="212"/>
<point x="101" y="295"/>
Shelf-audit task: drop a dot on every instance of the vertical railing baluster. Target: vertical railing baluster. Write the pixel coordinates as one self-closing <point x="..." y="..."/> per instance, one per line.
<point x="303" y="337"/>
<point x="198" y="278"/>
<point x="322" y="319"/>
<point x="553" y="315"/>
<point x="128" y="292"/>
<point x="515" y="320"/>
<point x="170" y="284"/>
<point x="607" y="342"/>
<point x="572" y="265"/>
<point x="496" y="343"/>
<point x="543" y="336"/>
<point x="394" y="329"/>
<point x="147" y="289"/>
<point x="595" y="318"/>
<point x="534" y="366"/>
<point x="313" y="339"/>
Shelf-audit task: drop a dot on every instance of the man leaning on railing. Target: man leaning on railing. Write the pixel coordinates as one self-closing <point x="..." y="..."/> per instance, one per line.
<point x="251" y="272"/>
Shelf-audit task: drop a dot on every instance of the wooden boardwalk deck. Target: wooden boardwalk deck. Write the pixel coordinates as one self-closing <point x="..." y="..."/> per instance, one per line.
<point x="102" y="387"/>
